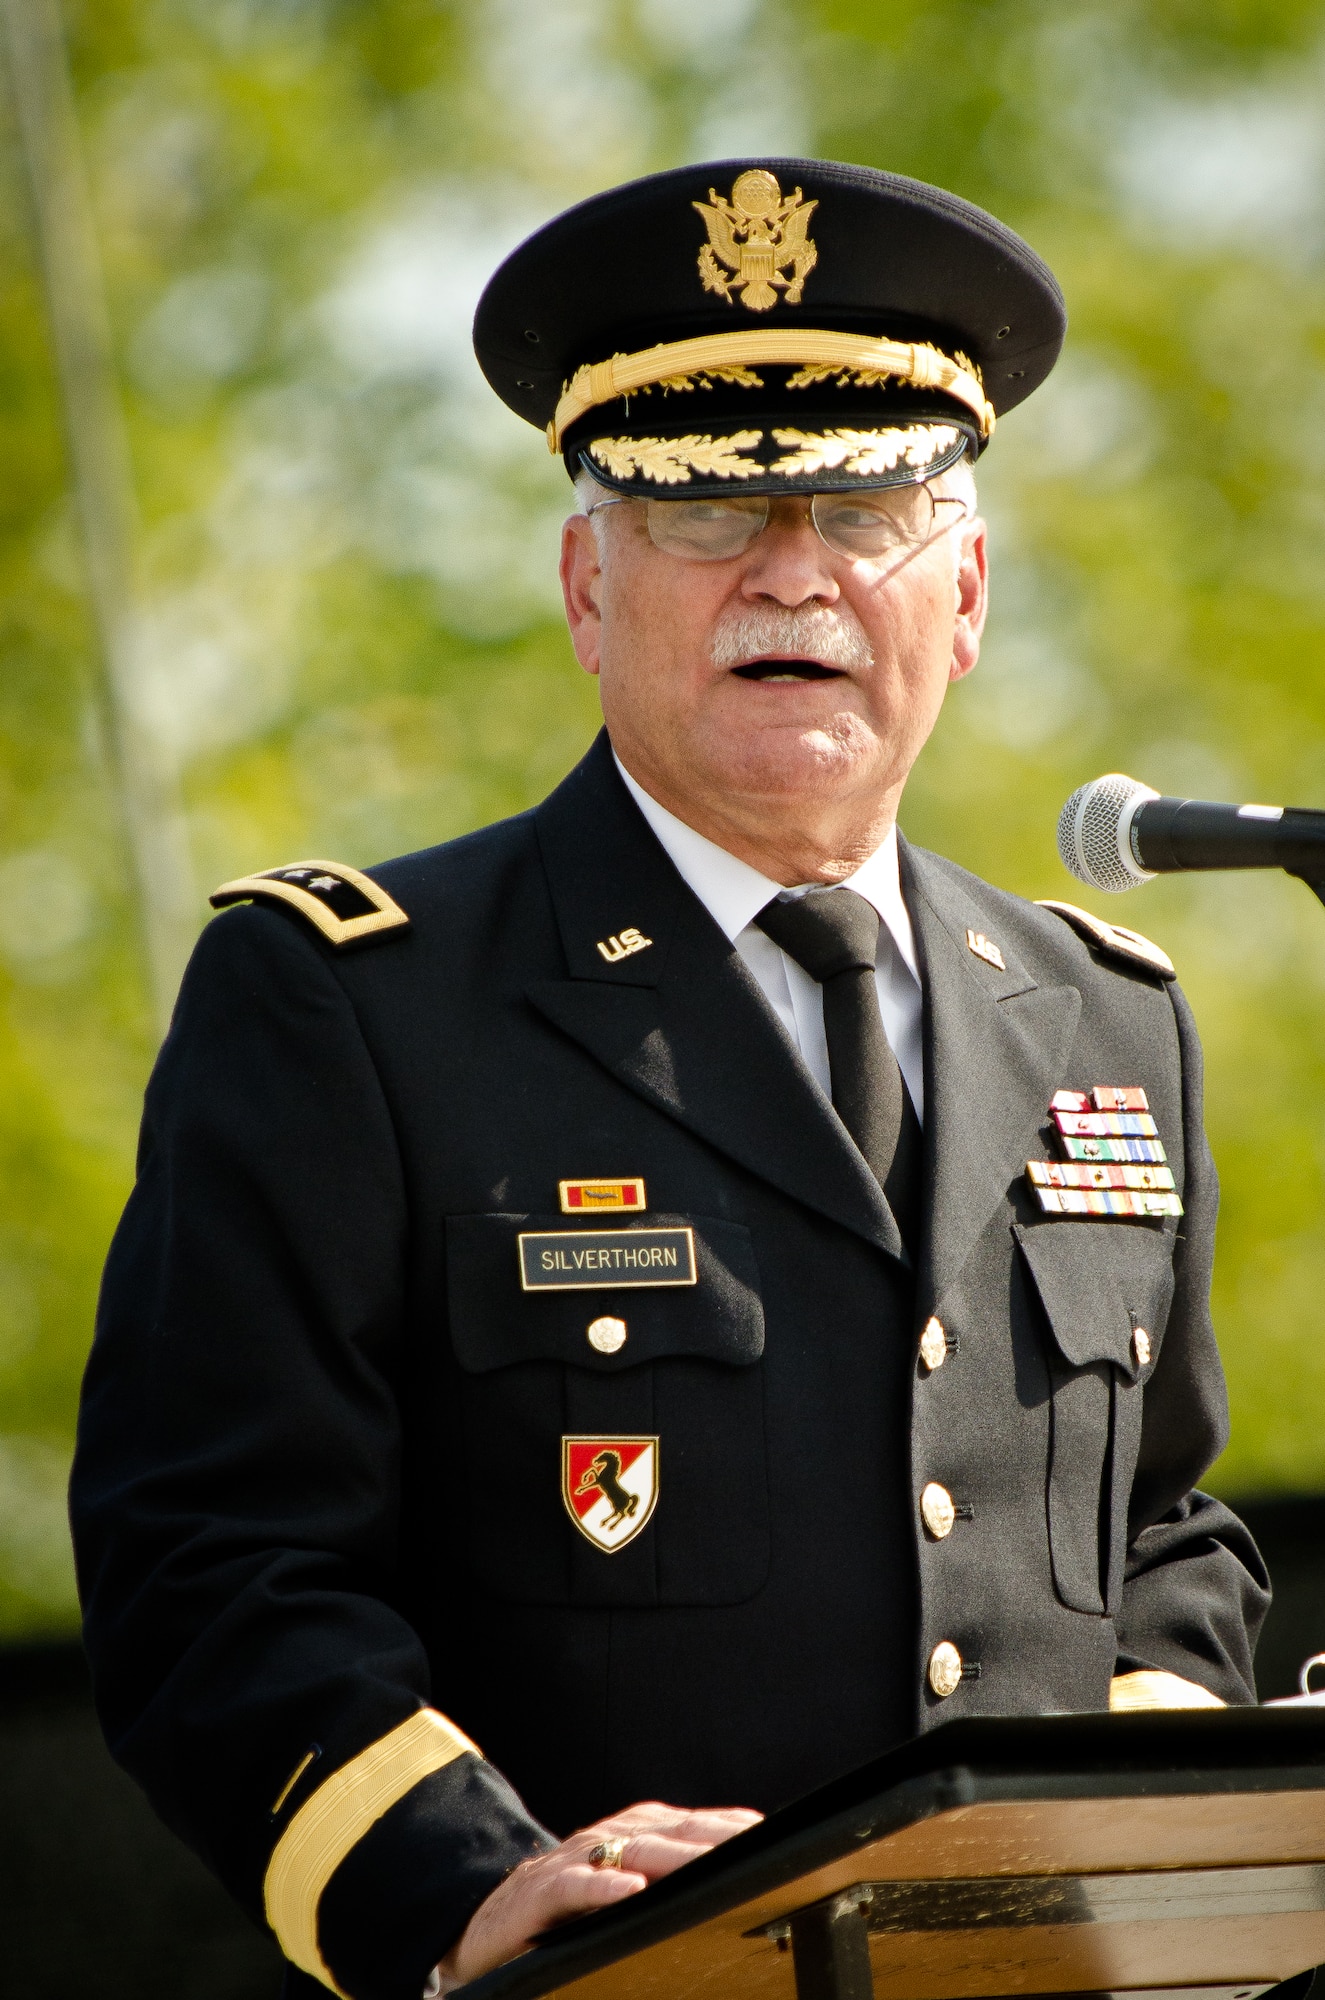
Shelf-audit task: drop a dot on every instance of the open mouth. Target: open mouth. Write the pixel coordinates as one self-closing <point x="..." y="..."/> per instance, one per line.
<point x="786" y="670"/>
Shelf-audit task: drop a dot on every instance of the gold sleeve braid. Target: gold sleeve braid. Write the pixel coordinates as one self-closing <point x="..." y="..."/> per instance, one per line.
<point x="337" y="1817"/>
<point x="1150" y="1689"/>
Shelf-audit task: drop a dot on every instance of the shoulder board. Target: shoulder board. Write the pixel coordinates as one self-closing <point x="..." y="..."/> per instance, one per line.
<point x="338" y="901"/>
<point x="1116" y="939"/>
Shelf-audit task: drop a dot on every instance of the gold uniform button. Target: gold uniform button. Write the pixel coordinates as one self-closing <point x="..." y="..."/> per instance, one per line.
<point x="933" y="1345"/>
<point x="937" y="1510"/>
<point x="945" y="1669"/>
<point x="1141" y="1347"/>
<point x="607" y="1336"/>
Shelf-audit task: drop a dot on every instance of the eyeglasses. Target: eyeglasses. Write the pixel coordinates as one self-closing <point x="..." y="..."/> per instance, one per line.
<point x="894" y="521"/>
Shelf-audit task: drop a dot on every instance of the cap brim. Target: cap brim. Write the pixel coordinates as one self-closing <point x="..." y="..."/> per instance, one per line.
<point x="677" y="463"/>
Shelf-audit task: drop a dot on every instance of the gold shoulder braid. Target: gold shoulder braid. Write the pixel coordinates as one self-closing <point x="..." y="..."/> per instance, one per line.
<point x="345" y="905"/>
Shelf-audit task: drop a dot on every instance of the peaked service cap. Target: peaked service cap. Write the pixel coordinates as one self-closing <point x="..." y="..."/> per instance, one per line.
<point x="768" y="326"/>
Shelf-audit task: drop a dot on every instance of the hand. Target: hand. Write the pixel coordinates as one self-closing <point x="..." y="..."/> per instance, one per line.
<point x="551" y="1888"/>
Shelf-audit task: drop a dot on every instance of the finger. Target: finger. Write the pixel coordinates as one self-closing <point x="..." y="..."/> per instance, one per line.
<point x="575" y="1890"/>
<point x="714" y="1824"/>
<point x="572" y="1892"/>
<point x="659" y="1851"/>
<point x="656" y="1855"/>
<point x="707" y="1823"/>
<point x="524" y="1906"/>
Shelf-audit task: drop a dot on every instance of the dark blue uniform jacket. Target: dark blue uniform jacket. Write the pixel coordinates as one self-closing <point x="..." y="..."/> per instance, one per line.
<point x="318" y="1483"/>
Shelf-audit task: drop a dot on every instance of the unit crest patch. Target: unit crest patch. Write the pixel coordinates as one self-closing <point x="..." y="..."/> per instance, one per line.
<point x="1113" y="938"/>
<point x="610" y="1487"/>
<point x="343" y="904"/>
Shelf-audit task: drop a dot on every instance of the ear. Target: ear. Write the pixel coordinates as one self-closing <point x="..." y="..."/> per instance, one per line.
<point x="581" y="585"/>
<point x="972" y="593"/>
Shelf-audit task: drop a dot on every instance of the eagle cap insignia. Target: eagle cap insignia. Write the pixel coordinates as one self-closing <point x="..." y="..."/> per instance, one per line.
<point x="756" y="235"/>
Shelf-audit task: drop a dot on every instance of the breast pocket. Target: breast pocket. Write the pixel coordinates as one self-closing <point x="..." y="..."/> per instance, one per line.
<point x="614" y="1422"/>
<point x="1106" y="1289"/>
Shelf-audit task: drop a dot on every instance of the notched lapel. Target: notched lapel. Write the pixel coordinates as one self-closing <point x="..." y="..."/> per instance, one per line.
<point x="682" y="1023"/>
<point x="995" y="1045"/>
<point x="608" y="875"/>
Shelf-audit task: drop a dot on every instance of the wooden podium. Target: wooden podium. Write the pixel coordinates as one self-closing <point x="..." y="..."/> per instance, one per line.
<point x="1159" y="1855"/>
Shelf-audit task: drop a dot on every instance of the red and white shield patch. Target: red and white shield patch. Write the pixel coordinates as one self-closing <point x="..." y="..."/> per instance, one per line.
<point x="610" y="1487"/>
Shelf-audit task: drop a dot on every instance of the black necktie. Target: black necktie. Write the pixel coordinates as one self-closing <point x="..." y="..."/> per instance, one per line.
<point x="834" y="936"/>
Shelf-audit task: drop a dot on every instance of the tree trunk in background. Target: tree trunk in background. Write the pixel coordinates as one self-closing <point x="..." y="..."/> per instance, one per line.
<point x="145" y="772"/>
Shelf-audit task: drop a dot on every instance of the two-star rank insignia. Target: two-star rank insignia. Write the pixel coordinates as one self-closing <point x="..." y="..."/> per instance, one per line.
<point x="610" y="1487"/>
<point x="346" y="906"/>
<point x="1114" y="1162"/>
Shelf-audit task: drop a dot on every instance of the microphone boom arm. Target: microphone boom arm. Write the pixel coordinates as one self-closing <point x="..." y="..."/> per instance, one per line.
<point x="1174" y="836"/>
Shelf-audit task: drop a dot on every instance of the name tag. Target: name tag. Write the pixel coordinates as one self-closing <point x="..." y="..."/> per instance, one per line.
<point x="582" y="1260"/>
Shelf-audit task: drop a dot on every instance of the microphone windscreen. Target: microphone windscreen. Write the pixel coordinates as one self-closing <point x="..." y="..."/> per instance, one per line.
<point x="1094" y="833"/>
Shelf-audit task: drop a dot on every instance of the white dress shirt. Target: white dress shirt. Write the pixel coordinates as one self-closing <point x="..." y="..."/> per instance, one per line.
<point x="733" y="893"/>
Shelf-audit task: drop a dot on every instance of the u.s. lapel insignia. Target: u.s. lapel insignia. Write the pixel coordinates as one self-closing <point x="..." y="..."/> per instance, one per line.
<point x="756" y="235"/>
<point x="610" y="1487"/>
<point x="1114" y="1163"/>
<point x="977" y="942"/>
<point x="624" y="945"/>
<point x="345" y="905"/>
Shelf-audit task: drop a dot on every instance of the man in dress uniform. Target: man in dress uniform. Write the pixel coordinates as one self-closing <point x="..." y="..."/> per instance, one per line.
<point x="666" y="1297"/>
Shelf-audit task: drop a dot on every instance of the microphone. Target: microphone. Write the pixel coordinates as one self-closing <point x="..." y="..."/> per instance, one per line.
<point x="1115" y="833"/>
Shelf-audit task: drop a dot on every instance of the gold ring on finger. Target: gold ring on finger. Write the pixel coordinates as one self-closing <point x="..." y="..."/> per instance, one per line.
<point x="608" y="1853"/>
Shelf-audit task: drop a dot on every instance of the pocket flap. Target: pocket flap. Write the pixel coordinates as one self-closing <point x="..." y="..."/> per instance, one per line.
<point x="1098" y="1282"/>
<point x="495" y="1323"/>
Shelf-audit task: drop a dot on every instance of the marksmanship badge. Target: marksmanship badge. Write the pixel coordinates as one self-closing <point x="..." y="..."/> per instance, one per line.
<point x="610" y="1487"/>
<point x="756" y="235"/>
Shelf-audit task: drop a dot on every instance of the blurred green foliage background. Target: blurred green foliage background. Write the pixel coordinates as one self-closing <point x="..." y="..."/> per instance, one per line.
<point x="352" y="643"/>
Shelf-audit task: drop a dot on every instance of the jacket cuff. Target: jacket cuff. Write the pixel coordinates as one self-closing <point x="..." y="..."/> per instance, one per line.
<point x="380" y="1870"/>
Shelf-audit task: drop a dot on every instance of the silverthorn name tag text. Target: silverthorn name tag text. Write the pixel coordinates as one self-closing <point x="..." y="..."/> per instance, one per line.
<point x="583" y="1260"/>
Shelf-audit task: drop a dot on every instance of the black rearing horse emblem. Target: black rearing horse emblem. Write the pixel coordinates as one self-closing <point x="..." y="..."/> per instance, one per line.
<point x="605" y="1474"/>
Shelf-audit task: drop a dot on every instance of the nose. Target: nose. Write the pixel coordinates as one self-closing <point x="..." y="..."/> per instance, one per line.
<point x="788" y="561"/>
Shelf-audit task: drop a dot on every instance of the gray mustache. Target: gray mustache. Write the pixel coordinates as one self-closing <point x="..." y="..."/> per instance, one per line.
<point x="811" y="631"/>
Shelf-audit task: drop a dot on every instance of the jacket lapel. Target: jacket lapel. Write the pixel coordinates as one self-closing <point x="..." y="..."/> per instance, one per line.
<point x="678" y="1018"/>
<point x="995" y="1045"/>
